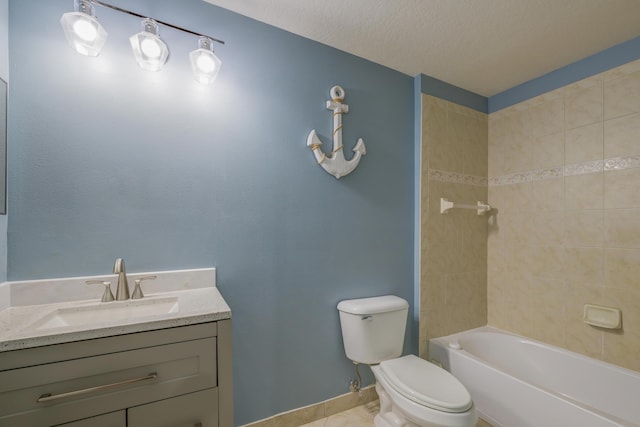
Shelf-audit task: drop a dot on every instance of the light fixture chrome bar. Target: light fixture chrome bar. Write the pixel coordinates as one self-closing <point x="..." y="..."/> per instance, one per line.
<point x="129" y="12"/>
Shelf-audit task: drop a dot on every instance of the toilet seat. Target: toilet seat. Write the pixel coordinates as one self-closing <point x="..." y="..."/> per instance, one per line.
<point x="426" y="384"/>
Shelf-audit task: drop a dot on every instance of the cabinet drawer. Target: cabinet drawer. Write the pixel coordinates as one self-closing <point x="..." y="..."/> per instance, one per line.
<point x="114" y="419"/>
<point x="198" y="409"/>
<point x="83" y="387"/>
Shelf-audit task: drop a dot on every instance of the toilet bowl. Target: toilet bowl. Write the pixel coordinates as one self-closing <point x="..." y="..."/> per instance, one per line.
<point x="418" y="393"/>
<point x="412" y="391"/>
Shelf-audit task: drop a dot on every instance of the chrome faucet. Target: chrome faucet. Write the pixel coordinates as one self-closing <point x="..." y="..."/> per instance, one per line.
<point x="122" y="293"/>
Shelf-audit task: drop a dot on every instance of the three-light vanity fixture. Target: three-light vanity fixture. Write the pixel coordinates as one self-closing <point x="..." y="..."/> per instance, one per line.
<point x="87" y="36"/>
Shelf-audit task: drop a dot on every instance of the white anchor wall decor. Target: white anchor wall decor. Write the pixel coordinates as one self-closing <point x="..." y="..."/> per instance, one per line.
<point x="334" y="162"/>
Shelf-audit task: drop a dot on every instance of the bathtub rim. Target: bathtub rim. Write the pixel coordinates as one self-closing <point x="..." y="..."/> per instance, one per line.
<point x="444" y="344"/>
<point x="452" y="338"/>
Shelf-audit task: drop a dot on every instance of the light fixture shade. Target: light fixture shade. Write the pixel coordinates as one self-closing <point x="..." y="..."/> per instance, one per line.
<point x="150" y="51"/>
<point x="83" y="31"/>
<point x="204" y="63"/>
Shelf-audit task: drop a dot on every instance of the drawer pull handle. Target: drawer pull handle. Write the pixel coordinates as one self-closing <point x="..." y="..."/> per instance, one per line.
<point x="48" y="397"/>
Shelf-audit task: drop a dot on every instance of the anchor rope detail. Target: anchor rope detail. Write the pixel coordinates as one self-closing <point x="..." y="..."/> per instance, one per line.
<point x="324" y="156"/>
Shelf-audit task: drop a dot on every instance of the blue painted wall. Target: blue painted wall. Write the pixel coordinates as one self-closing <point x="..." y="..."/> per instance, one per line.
<point x="111" y="161"/>
<point x="4" y="74"/>
<point x="443" y="90"/>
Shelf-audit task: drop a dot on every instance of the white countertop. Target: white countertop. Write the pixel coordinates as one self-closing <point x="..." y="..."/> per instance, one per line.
<point x="196" y="301"/>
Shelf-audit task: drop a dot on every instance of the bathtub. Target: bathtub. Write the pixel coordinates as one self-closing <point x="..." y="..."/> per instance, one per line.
<point x="519" y="382"/>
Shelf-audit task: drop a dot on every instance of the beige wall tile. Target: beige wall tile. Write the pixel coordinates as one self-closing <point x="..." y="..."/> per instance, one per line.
<point x="584" y="104"/>
<point x="584" y="228"/>
<point x="518" y="155"/>
<point x="423" y="348"/>
<point x="628" y="301"/>
<point x="548" y="228"/>
<point x="435" y="322"/>
<point x="622" y="268"/>
<point x="585" y="143"/>
<point x="495" y="162"/>
<point x="499" y="297"/>
<point x="445" y="154"/>
<point x="517" y="197"/>
<point x="453" y="246"/>
<point x="518" y="317"/>
<point x="548" y="151"/>
<point x="444" y="245"/>
<point x="434" y="118"/>
<point x="547" y="313"/>
<point x="476" y="149"/>
<point x="518" y="142"/>
<point x="497" y="129"/>
<point x="518" y="261"/>
<point x="461" y="127"/>
<point x="622" y="188"/>
<point x="474" y="252"/>
<point x="623" y="349"/>
<point x="432" y="290"/>
<point x="622" y="96"/>
<point x="496" y="196"/>
<point x="547" y="262"/>
<point x="462" y="317"/>
<point x="582" y="192"/>
<point x="517" y="228"/>
<point x="583" y="265"/>
<point x="496" y="143"/>
<point x="622" y="228"/>
<point x="579" y="336"/>
<point x="580" y="232"/>
<point x="495" y="252"/>
<point x="583" y="338"/>
<point x="621" y="136"/>
<point x="462" y="288"/>
<point x="548" y="195"/>
<point x="580" y="293"/>
<point x="548" y="117"/>
<point x="623" y="70"/>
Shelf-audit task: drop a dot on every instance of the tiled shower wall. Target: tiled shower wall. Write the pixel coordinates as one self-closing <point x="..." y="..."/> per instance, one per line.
<point x="564" y="175"/>
<point x="453" y="288"/>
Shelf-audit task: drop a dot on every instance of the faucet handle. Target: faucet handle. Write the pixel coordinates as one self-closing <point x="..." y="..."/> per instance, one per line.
<point x="107" y="295"/>
<point x="137" y="292"/>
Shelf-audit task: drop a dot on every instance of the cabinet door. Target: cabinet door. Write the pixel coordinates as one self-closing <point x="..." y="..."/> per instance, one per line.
<point x="114" y="419"/>
<point x="190" y="410"/>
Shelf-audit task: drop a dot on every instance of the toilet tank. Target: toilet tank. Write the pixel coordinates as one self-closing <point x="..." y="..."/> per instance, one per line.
<point x="373" y="328"/>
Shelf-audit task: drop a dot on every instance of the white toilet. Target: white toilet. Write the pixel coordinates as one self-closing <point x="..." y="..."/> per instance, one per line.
<point x="412" y="391"/>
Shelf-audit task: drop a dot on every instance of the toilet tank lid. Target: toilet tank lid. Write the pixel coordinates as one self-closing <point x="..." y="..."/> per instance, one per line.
<point x="373" y="305"/>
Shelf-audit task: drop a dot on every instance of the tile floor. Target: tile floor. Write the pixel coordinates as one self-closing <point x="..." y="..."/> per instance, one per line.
<point x="360" y="416"/>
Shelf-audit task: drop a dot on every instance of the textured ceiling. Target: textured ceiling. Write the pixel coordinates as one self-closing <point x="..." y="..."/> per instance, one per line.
<point x="485" y="46"/>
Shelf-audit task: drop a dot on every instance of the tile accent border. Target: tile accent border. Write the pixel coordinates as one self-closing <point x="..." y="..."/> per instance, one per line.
<point x="611" y="164"/>
<point x="318" y="411"/>
<point x="457" y="178"/>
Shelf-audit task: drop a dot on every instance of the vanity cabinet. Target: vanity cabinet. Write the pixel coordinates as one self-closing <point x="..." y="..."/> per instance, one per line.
<point x="114" y="419"/>
<point x="174" y="377"/>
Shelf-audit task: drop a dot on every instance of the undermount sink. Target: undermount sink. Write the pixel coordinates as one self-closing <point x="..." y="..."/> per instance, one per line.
<point x="110" y="312"/>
